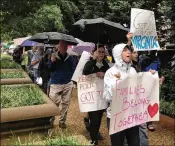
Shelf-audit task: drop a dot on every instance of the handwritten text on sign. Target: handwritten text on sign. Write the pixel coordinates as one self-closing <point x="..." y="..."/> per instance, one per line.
<point x="135" y="101"/>
<point x="90" y="92"/>
<point x="143" y="28"/>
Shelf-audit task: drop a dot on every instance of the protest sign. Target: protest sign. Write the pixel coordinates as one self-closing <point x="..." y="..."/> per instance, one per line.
<point x="135" y="101"/>
<point x="85" y="57"/>
<point x="143" y="28"/>
<point x="90" y="93"/>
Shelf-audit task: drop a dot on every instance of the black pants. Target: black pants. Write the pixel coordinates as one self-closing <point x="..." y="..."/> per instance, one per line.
<point x="23" y="67"/>
<point x="131" y="134"/>
<point x="95" y="122"/>
<point x="44" y="86"/>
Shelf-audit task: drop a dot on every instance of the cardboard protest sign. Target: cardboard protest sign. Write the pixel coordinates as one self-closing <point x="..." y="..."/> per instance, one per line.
<point x="90" y="93"/>
<point x="135" y="101"/>
<point x="85" y="57"/>
<point x="143" y="27"/>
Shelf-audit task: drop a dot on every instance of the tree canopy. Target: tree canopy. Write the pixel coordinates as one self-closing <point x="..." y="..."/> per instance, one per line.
<point x="27" y="17"/>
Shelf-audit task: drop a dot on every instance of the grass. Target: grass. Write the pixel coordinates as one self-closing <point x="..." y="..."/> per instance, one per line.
<point x="9" y="75"/>
<point x="70" y="141"/>
<point x="21" y="95"/>
<point x="62" y="139"/>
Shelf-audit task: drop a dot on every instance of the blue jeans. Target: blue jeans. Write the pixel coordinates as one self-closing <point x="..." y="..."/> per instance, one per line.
<point x="143" y="135"/>
<point x="131" y="134"/>
<point x="35" y="71"/>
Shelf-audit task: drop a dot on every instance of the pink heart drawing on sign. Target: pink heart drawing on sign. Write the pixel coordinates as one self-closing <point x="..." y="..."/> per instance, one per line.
<point x="152" y="110"/>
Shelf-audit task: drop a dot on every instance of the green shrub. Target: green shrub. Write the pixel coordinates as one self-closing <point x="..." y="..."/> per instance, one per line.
<point x="6" y="57"/>
<point x="8" y="64"/>
<point x="168" y="87"/>
<point x="167" y="108"/>
<point x="20" y="95"/>
<point x="167" y="93"/>
<point x="8" y="75"/>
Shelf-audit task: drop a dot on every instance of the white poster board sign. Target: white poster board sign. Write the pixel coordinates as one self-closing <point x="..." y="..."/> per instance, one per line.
<point x="85" y="57"/>
<point x="143" y="27"/>
<point x="90" y="93"/>
<point x="135" y="101"/>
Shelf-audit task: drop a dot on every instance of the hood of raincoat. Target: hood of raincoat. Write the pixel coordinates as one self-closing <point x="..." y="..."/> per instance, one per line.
<point x="117" y="54"/>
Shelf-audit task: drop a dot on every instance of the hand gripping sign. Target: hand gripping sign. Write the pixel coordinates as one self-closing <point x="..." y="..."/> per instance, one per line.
<point x="90" y="93"/>
<point x="135" y="101"/>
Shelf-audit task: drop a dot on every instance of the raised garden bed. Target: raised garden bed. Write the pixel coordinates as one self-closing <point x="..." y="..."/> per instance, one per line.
<point x="14" y="76"/>
<point x="25" y="110"/>
<point x="9" y="64"/>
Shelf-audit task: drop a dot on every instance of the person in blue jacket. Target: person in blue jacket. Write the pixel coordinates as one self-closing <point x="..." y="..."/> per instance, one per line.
<point x="62" y="67"/>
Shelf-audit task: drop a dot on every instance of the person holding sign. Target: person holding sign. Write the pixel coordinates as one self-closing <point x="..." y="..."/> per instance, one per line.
<point x="122" y="67"/>
<point x="98" y="66"/>
<point x="142" y="127"/>
<point x="150" y="62"/>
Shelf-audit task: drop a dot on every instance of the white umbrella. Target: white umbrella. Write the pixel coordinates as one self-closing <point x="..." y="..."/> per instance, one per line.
<point x="69" y="51"/>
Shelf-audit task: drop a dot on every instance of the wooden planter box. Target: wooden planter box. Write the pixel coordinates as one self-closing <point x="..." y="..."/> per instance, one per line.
<point x="28" y="117"/>
<point x="10" y="81"/>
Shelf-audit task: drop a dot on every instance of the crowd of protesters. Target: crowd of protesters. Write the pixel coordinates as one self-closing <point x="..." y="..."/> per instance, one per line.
<point x="56" y="67"/>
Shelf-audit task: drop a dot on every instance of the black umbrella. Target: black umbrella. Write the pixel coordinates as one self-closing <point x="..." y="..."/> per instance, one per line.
<point x="99" y="30"/>
<point x="53" y="38"/>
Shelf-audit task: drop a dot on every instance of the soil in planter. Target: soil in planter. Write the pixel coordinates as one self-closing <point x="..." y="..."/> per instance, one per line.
<point x="21" y="95"/>
<point x="10" y="75"/>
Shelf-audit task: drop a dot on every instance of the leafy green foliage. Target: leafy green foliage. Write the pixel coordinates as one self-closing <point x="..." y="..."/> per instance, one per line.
<point x="168" y="87"/>
<point x="6" y="57"/>
<point x="48" y="18"/>
<point x="8" y="75"/>
<point x="167" y="94"/>
<point x="27" y="17"/>
<point x="6" y="64"/>
<point x="167" y="107"/>
<point x="21" y="95"/>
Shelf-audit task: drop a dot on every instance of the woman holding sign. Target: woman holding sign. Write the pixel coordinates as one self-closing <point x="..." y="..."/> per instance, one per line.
<point x="98" y="66"/>
<point x="122" y="67"/>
